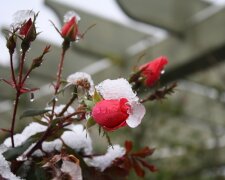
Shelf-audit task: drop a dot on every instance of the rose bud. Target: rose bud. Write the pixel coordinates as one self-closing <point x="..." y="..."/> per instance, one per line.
<point x="152" y="70"/>
<point x="119" y="107"/>
<point x="111" y="114"/>
<point x="69" y="30"/>
<point x="28" y="30"/>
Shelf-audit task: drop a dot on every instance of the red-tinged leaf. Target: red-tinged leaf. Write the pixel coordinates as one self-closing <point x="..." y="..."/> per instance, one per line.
<point x="127" y="163"/>
<point x="117" y="172"/>
<point x="138" y="169"/>
<point x="128" y="145"/>
<point x="151" y="167"/>
<point x="146" y="151"/>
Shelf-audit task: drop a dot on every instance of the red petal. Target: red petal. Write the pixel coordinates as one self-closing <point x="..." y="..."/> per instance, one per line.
<point x="70" y="29"/>
<point x="25" y="27"/>
<point x="111" y="114"/>
<point x="152" y="70"/>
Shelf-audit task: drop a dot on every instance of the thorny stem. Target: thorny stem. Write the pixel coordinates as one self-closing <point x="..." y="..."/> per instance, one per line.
<point x="12" y="69"/>
<point x="58" y="80"/>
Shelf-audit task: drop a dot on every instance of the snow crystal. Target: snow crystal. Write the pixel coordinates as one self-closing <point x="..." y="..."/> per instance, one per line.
<point x="77" y="138"/>
<point x="116" y="89"/>
<point x="69" y="15"/>
<point x="104" y="161"/>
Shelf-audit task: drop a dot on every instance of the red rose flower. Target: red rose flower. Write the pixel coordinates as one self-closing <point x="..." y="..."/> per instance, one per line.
<point x="111" y="114"/>
<point x="70" y="29"/>
<point x="151" y="71"/>
<point x="25" y="28"/>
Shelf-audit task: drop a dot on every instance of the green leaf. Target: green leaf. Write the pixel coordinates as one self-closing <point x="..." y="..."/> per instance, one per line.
<point x="33" y="112"/>
<point x="56" y="135"/>
<point x="13" y="153"/>
<point x="97" y="97"/>
<point x="37" y="173"/>
<point x="90" y="122"/>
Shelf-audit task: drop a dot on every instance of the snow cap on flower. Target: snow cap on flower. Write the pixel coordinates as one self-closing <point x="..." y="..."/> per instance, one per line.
<point x="70" y="28"/>
<point x="25" y="21"/>
<point x="152" y="70"/>
<point x="119" y="107"/>
<point x="22" y="16"/>
<point x="104" y="161"/>
<point x="116" y="89"/>
<point x="82" y="79"/>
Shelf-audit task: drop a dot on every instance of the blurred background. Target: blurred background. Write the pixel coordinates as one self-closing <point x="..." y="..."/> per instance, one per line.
<point x="188" y="128"/>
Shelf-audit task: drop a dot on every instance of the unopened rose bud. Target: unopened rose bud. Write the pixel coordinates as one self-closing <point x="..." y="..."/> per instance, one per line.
<point x="70" y="30"/>
<point x="151" y="71"/>
<point x="11" y="43"/>
<point x="28" y="30"/>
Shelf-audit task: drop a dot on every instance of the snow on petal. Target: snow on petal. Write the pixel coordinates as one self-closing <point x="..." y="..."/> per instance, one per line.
<point x="71" y="14"/>
<point x="136" y="114"/>
<point x="116" y="89"/>
<point x="21" y="16"/>
<point x="104" y="161"/>
<point x="77" y="138"/>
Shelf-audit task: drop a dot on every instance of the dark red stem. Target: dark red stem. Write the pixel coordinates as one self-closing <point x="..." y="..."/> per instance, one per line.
<point x="12" y="69"/>
<point x="14" y="117"/>
<point x="58" y="80"/>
